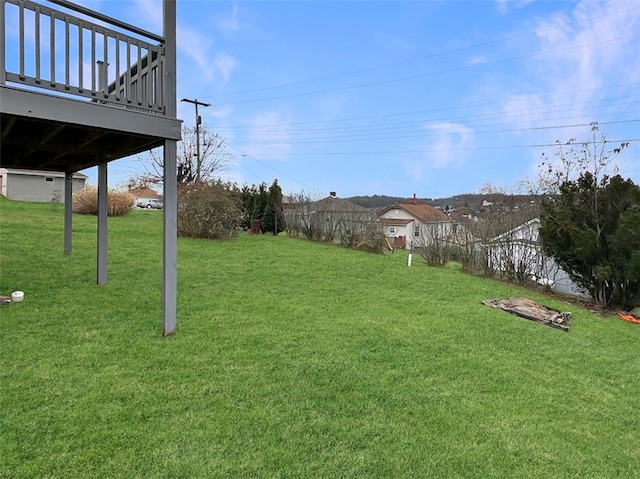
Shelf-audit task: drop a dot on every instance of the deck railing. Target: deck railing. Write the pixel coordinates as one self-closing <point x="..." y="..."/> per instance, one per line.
<point x="93" y="56"/>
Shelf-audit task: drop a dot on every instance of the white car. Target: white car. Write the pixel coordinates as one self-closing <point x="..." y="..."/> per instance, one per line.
<point x="150" y="203"/>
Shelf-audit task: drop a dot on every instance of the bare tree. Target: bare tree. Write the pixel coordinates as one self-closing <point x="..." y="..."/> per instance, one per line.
<point x="332" y="219"/>
<point x="302" y="216"/>
<point x="573" y="159"/>
<point x="432" y="243"/>
<point x="214" y="158"/>
<point x="352" y="224"/>
<point x="138" y="183"/>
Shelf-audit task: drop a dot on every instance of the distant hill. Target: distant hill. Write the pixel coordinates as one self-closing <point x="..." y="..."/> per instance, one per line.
<point x="470" y="201"/>
<point x="378" y="201"/>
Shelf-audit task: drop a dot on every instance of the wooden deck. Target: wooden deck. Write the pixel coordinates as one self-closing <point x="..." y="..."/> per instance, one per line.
<point x="80" y="89"/>
<point x="56" y="113"/>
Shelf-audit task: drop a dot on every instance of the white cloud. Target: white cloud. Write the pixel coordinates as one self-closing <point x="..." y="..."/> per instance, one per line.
<point x="230" y="23"/>
<point x="478" y="60"/>
<point x="442" y="149"/>
<point x="268" y="138"/>
<point x="446" y="138"/>
<point x="577" y="60"/>
<point x="196" y="47"/>
<point x="150" y="16"/>
<point x="505" y="5"/>
<point x="224" y="65"/>
<point x="222" y="112"/>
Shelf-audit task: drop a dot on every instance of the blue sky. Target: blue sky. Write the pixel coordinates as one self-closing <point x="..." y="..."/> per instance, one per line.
<point x="396" y="98"/>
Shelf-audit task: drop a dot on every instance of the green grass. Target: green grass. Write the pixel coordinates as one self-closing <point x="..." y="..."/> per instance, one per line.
<point x="293" y="360"/>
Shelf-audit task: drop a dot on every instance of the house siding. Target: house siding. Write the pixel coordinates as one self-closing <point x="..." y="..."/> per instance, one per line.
<point x="35" y="187"/>
<point x="402" y="228"/>
<point x="521" y="245"/>
<point x="406" y="219"/>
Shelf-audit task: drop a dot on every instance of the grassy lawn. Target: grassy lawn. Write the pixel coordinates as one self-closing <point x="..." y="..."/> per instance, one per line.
<point x="293" y="360"/>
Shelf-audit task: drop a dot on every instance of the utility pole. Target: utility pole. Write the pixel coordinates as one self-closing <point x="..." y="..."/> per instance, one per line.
<point x="198" y="121"/>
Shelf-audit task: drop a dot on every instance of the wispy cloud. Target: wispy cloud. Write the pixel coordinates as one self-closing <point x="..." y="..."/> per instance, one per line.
<point x="505" y="5"/>
<point x="267" y="137"/>
<point x="196" y="47"/>
<point x="448" y="136"/>
<point x="477" y="60"/>
<point x="442" y="150"/>
<point x="224" y="64"/>
<point x="150" y="15"/>
<point x="222" y="112"/>
<point x="584" y="53"/>
<point x="230" y="23"/>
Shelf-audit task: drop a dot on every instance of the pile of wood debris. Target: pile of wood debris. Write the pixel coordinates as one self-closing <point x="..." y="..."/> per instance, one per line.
<point x="529" y="309"/>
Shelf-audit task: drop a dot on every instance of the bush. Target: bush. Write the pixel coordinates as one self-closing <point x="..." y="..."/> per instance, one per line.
<point x="592" y="229"/>
<point x="208" y="210"/>
<point x="85" y="202"/>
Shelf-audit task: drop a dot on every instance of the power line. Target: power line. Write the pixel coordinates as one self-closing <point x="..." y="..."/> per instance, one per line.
<point x="245" y="155"/>
<point x="449" y="150"/>
<point x="425" y="57"/>
<point x="469" y="106"/>
<point x="424" y="75"/>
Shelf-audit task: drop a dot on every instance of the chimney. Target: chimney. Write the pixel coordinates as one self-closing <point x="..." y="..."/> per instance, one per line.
<point x="332" y="194"/>
<point x="414" y="200"/>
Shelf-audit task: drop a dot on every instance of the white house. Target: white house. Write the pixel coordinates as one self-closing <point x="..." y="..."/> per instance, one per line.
<point x="36" y="185"/>
<point x="519" y="251"/>
<point x="405" y="223"/>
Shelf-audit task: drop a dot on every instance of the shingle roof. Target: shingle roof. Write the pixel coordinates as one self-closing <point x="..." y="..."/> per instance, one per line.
<point x="145" y="193"/>
<point x="424" y="213"/>
<point x="332" y="203"/>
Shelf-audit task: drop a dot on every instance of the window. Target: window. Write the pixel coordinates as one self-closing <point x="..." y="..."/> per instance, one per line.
<point x="416" y="230"/>
<point x="48" y="179"/>
<point x="392" y="230"/>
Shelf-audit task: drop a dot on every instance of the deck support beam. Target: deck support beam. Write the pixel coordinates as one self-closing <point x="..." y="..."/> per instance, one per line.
<point x="170" y="241"/>
<point x="102" y="223"/>
<point x="68" y="198"/>
<point x="170" y="177"/>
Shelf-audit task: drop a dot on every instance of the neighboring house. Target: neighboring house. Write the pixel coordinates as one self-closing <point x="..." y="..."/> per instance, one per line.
<point x="328" y="218"/>
<point x="407" y="224"/>
<point x="36" y="185"/>
<point x="519" y="251"/>
<point x="144" y="195"/>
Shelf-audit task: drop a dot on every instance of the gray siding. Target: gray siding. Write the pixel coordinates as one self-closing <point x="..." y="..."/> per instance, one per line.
<point x="25" y="187"/>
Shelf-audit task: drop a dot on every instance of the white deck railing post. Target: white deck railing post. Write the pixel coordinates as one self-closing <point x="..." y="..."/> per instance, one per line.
<point x="131" y="85"/>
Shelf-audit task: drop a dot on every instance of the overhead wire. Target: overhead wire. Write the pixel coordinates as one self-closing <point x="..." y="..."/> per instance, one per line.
<point x="458" y="107"/>
<point x="429" y="74"/>
<point x="426" y="57"/>
<point x="458" y="149"/>
<point x="365" y="132"/>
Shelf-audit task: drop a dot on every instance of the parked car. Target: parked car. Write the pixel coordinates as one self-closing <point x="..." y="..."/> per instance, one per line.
<point x="150" y="203"/>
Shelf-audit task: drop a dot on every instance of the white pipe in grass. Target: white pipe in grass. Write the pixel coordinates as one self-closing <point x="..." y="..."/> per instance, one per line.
<point x="409" y="258"/>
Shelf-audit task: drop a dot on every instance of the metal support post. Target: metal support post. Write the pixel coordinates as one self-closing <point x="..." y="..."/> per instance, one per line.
<point x="102" y="223"/>
<point x="68" y="203"/>
<point x="170" y="177"/>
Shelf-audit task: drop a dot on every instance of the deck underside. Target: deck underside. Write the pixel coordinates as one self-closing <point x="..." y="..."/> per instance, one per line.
<point x="53" y="133"/>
